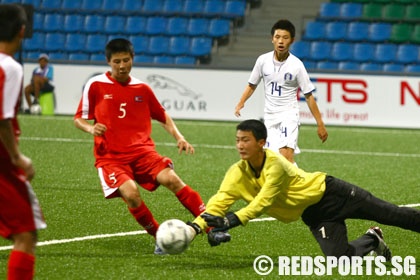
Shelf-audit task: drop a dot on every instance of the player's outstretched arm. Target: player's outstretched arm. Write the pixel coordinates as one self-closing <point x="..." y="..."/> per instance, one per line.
<point x="173" y="130"/>
<point x="313" y="107"/>
<point x="248" y="91"/>
<point x="96" y="129"/>
<point x="214" y="237"/>
<point x="221" y="223"/>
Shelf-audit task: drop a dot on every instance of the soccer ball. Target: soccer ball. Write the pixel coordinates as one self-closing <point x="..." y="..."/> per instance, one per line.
<point x="174" y="236"/>
<point x="35" y="109"/>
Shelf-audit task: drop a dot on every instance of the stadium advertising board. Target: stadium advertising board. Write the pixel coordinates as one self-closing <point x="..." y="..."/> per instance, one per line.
<point x="365" y="100"/>
<point x="354" y="100"/>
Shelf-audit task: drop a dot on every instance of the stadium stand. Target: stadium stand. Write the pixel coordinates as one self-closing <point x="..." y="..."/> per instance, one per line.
<point x="174" y="6"/>
<point x="327" y="65"/>
<point x="357" y="31"/>
<point x="177" y="25"/>
<point x="342" y="51"/>
<point x="401" y="32"/>
<point x="54" y="42"/>
<point x="179" y="45"/>
<point x="156" y="25"/>
<point x="79" y="29"/>
<point x="163" y="59"/>
<point x="349" y="34"/>
<point x="329" y="10"/>
<point x="393" y="12"/>
<point x="95" y="43"/>
<point x="51" y="4"/>
<point x="214" y="7"/>
<point x="78" y="56"/>
<point x="184" y="60"/>
<point x="393" y="67"/>
<point x="193" y="7"/>
<point x="72" y="23"/>
<point x="93" y="23"/>
<point x="371" y="66"/>
<point x="350" y="11"/>
<point x="336" y="30"/>
<point x="301" y="49"/>
<point x="131" y="5"/>
<point x="71" y="4"/>
<point x="219" y="29"/>
<point x="379" y="31"/>
<point x="135" y="25"/>
<point x="385" y="53"/>
<point x="412" y="68"/>
<point x="320" y="50"/>
<point x="90" y="6"/>
<point x="114" y="24"/>
<point x="141" y="43"/>
<point x="407" y="53"/>
<point x="159" y="45"/>
<point x="53" y="22"/>
<point x="349" y="66"/>
<point x="363" y="52"/>
<point x="366" y="35"/>
<point x="315" y="30"/>
<point x="143" y="58"/>
<point x="415" y="37"/>
<point x="152" y="6"/>
<point x="75" y="42"/>
<point x="197" y="26"/>
<point x="371" y="11"/>
<point x="412" y="13"/>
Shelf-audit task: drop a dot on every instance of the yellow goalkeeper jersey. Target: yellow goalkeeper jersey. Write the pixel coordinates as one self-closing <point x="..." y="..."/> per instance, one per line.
<point x="282" y="190"/>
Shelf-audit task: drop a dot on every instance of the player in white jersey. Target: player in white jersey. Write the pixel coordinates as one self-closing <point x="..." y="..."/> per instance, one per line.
<point x="283" y="75"/>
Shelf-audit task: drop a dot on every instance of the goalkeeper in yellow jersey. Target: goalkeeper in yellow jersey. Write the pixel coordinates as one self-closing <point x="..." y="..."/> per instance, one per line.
<point x="271" y="185"/>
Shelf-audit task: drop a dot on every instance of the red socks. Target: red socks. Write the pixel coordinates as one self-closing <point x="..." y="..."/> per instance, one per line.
<point x="21" y="266"/>
<point x="145" y="218"/>
<point x="187" y="196"/>
<point x="191" y="200"/>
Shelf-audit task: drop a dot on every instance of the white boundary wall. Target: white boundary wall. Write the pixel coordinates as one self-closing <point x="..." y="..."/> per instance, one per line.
<point x="202" y="94"/>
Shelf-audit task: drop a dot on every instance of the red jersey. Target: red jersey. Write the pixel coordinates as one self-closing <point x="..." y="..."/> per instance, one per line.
<point x="19" y="208"/>
<point x="11" y="79"/>
<point x="126" y="109"/>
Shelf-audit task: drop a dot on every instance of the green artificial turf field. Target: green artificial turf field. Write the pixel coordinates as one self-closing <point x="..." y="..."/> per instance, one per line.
<point x="89" y="237"/>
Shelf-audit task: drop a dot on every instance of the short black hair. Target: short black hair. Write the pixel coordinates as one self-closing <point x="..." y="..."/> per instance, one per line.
<point x="118" y="45"/>
<point x="12" y="18"/>
<point x="285" y="25"/>
<point x="257" y="128"/>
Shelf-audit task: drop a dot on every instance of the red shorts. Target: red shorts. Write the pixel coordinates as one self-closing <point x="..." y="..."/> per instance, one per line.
<point x="19" y="207"/>
<point x="143" y="170"/>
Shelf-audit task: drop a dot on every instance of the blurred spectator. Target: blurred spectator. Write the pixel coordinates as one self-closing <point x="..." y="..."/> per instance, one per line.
<point x="41" y="81"/>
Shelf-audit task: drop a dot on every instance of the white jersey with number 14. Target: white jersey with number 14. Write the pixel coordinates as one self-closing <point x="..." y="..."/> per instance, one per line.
<point x="281" y="81"/>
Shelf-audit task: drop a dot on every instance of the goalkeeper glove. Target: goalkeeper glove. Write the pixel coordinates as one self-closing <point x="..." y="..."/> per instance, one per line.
<point x="221" y="223"/>
<point x="216" y="237"/>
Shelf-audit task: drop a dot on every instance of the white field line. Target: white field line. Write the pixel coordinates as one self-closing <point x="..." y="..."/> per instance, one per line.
<point x="232" y="124"/>
<point x="232" y="147"/>
<point x="138" y="232"/>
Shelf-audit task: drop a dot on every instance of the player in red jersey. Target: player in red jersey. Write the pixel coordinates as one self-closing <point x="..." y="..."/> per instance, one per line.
<point x="20" y="213"/>
<point x="122" y="108"/>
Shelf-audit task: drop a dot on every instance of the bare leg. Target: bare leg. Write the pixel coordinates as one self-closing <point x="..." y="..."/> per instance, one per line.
<point x="28" y="90"/>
